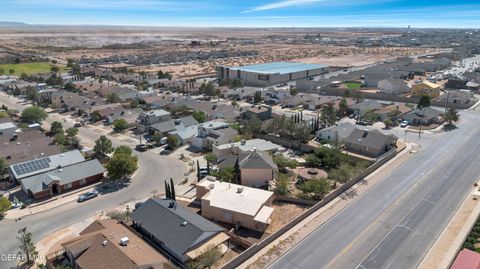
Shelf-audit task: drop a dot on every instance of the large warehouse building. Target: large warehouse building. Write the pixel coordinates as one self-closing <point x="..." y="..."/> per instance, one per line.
<point x="261" y="75"/>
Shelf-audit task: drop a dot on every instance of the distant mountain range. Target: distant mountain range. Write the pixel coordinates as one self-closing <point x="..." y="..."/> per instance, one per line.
<point x="11" y="23"/>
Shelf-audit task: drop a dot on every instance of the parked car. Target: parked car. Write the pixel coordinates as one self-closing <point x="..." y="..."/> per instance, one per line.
<point x="77" y="125"/>
<point x="165" y="151"/>
<point x="87" y="196"/>
<point x="404" y="124"/>
<point x="141" y="147"/>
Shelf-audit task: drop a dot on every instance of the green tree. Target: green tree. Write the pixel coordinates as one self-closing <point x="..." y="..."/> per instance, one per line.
<point x="71" y="132"/>
<point x="34" y="114"/>
<point x="257" y="97"/>
<point x="211" y="158"/>
<point x="95" y="116"/>
<point x="342" y="107"/>
<point x="370" y="116"/>
<point x="5" y="205"/>
<point x="172" y="141"/>
<point x="27" y="247"/>
<point x="11" y="71"/>
<point x="69" y="87"/>
<point x="315" y="188"/>
<point x="123" y="150"/>
<point x="226" y="174"/>
<point x="113" y="98"/>
<point x="120" y="125"/>
<point x="424" y="101"/>
<point x="60" y="139"/>
<point x="2" y="71"/>
<point x="281" y="186"/>
<point x="451" y="116"/>
<point x="328" y="116"/>
<point x="388" y="123"/>
<point x="172" y="190"/>
<point x="56" y="127"/>
<point x="31" y="93"/>
<point x="103" y="146"/>
<point x="3" y="167"/>
<point x="133" y="104"/>
<point x="54" y="69"/>
<point x="199" y="116"/>
<point x="122" y="164"/>
<point x="283" y="162"/>
<point x="341" y="174"/>
<point x="293" y="91"/>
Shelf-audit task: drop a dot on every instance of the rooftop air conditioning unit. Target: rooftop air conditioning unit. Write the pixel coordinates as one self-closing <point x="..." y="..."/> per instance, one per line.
<point x="124" y="241"/>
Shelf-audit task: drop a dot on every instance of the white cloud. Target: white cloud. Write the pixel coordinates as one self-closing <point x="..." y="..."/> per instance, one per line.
<point x="282" y="4"/>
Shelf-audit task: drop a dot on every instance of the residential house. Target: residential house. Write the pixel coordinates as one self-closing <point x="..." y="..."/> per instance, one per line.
<point x="111" y="244"/>
<point x="183" y="128"/>
<point x="213" y="133"/>
<point x="28" y="144"/>
<point x="466" y="259"/>
<point x="393" y="86"/>
<point x="180" y="233"/>
<point x="261" y="112"/>
<point x="360" y="108"/>
<point x="256" y="167"/>
<point x="211" y="110"/>
<point x="246" y="146"/>
<point x="473" y="86"/>
<point x="384" y="112"/>
<point x="235" y="204"/>
<point x="423" y="116"/>
<point x="336" y="133"/>
<point x="60" y="179"/>
<point x="456" y="97"/>
<point x="370" y="143"/>
<point x="456" y="83"/>
<point x="373" y="77"/>
<point x="129" y="115"/>
<point x="426" y="88"/>
<point x="8" y="130"/>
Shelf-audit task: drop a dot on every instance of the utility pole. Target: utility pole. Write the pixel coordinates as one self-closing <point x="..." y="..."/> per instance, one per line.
<point x="420" y="126"/>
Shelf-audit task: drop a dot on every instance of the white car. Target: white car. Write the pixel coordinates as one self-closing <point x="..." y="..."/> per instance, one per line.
<point x="404" y="124"/>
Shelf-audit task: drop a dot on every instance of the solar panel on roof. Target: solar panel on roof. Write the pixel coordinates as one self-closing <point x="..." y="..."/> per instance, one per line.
<point x="32" y="166"/>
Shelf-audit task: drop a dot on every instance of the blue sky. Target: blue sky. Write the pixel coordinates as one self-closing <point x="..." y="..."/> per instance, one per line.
<point x="247" y="13"/>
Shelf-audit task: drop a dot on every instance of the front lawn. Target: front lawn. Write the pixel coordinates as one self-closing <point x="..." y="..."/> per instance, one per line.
<point x="353" y="85"/>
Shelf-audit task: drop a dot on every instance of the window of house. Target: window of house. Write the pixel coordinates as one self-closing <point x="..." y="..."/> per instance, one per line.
<point x="69" y="186"/>
<point x="83" y="181"/>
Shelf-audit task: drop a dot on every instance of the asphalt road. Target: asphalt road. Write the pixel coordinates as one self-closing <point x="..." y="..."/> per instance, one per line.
<point x="153" y="169"/>
<point x="395" y="223"/>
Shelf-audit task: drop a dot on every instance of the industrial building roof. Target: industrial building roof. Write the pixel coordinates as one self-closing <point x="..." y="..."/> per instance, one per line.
<point x="278" y="67"/>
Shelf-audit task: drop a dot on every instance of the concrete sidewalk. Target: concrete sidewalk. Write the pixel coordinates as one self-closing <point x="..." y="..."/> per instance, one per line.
<point x="445" y="249"/>
<point x="51" y="203"/>
<point x="280" y="246"/>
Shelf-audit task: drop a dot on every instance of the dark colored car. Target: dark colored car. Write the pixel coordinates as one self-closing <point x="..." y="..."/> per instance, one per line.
<point x="87" y="196"/>
<point x="141" y="147"/>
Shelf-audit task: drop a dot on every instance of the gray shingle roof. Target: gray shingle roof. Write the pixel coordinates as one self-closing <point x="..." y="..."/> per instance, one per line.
<point x="64" y="175"/>
<point x="258" y="160"/>
<point x="369" y="138"/>
<point x="164" y="127"/>
<point x="167" y="225"/>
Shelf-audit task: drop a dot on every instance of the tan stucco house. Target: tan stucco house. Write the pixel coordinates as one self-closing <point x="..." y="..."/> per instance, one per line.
<point x="235" y="204"/>
<point x="426" y="88"/>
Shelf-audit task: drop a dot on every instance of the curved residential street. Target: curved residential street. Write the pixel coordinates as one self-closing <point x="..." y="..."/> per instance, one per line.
<point x="153" y="170"/>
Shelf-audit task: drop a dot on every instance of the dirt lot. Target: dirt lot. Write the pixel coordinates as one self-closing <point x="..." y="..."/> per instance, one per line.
<point x="283" y="214"/>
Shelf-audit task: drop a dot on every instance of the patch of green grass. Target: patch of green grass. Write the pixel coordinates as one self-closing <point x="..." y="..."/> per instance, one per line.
<point x="353" y="85"/>
<point x="30" y="68"/>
